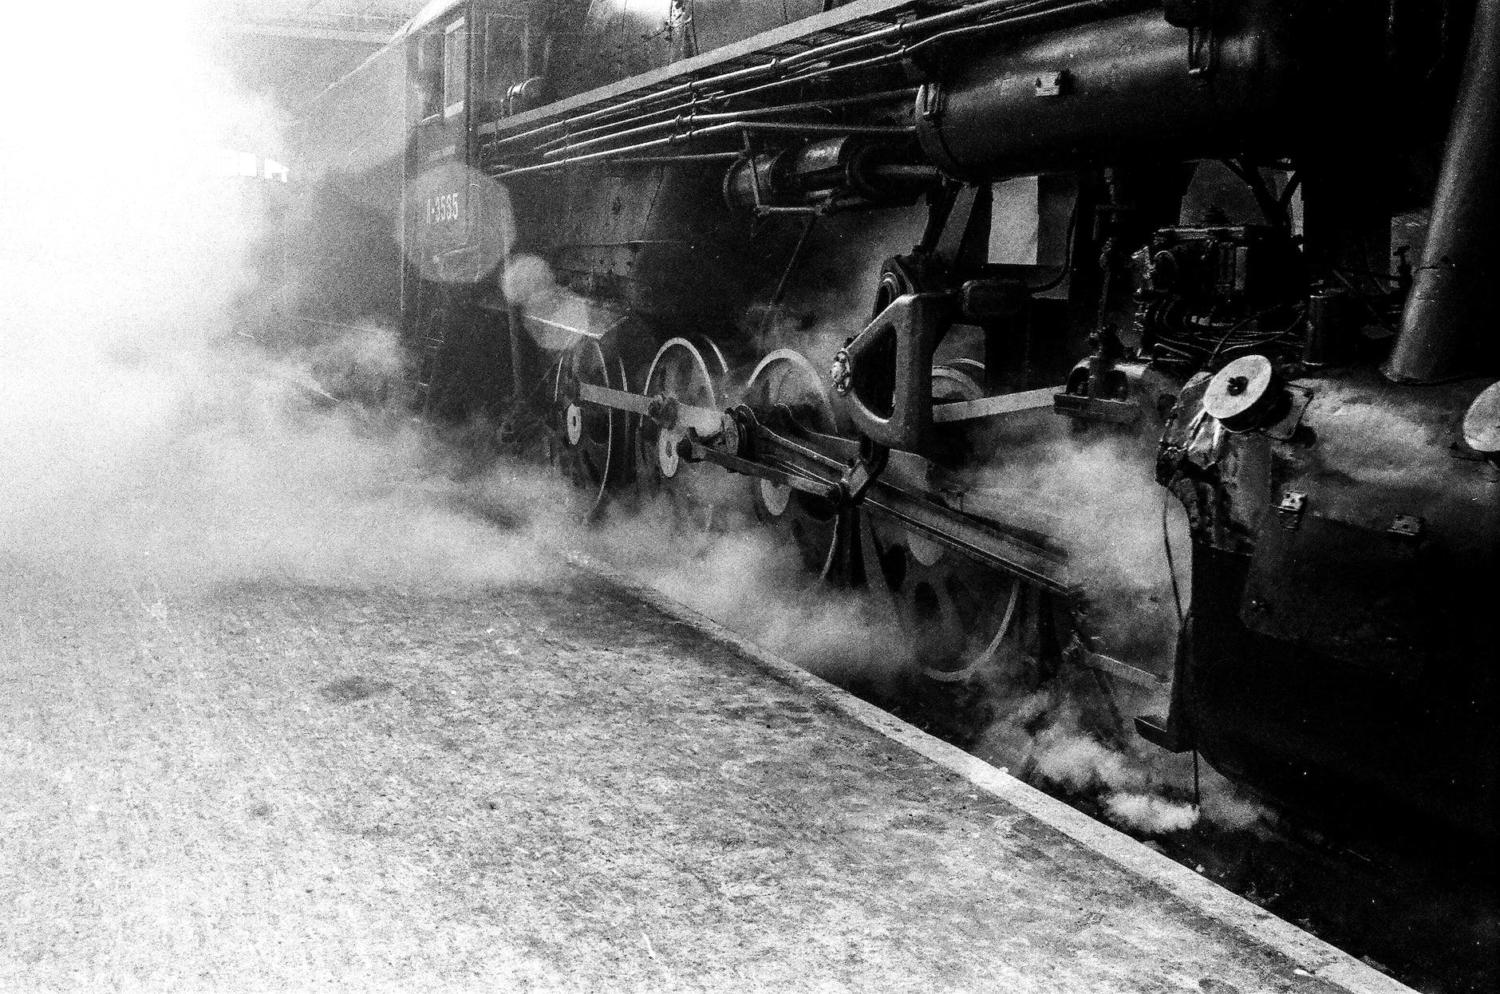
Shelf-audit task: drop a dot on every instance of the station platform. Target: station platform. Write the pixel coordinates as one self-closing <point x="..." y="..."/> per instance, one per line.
<point x="564" y="784"/>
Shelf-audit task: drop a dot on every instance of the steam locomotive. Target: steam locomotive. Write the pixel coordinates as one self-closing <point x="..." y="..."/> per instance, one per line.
<point x="836" y="264"/>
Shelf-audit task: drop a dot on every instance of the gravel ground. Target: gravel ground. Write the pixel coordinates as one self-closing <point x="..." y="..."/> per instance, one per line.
<point x="550" y="787"/>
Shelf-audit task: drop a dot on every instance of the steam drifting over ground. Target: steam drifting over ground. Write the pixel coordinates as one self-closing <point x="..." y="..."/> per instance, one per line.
<point x="148" y="443"/>
<point x="145" y="438"/>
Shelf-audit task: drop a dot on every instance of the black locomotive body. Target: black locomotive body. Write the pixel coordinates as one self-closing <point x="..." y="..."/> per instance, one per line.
<point x="849" y="256"/>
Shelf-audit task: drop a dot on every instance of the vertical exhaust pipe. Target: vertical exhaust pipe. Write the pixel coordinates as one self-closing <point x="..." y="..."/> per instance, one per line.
<point x="1451" y="317"/>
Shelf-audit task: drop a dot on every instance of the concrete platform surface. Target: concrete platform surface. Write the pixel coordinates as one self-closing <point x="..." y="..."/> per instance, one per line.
<point x="552" y="786"/>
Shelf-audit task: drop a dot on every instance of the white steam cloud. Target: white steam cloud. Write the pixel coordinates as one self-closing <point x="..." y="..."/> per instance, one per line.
<point x="146" y="443"/>
<point x="747" y="579"/>
<point x="144" y="440"/>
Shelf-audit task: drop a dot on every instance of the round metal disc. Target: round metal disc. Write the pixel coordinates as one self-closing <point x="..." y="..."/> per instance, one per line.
<point x="574" y="424"/>
<point x="667" y="460"/>
<point x="1241" y="390"/>
<point x="1482" y="422"/>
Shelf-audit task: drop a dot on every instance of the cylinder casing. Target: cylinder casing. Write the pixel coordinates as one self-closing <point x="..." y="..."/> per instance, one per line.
<point x="1112" y="90"/>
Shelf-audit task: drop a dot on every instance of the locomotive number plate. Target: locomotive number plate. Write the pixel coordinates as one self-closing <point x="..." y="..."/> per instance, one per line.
<point x="442" y="208"/>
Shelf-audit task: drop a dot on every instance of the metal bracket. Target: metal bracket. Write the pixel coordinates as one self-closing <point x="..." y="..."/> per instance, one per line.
<point x="932" y="100"/>
<point x="888" y="391"/>
<point x="1203" y="45"/>
<point x="1285" y="429"/>
<point x="1052" y="84"/>
<point x="1407" y="526"/>
<point x="1160" y="733"/>
<point x="859" y="477"/>
<point x="1290" y="510"/>
<point x="1198" y="17"/>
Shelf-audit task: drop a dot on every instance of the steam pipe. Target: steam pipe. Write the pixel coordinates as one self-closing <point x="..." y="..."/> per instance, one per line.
<point x="896" y="32"/>
<point x="1040" y="20"/>
<point x="814" y="73"/>
<point x="716" y="118"/>
<point x="674" y="159"/>
<point x="906" y="173"/>
<point x="696" y="100"/>
<point x="773" y="127"/>
<point x="1023" y="18"/>
<point x="1454" y="293"/>
<point x="842" y="170"/>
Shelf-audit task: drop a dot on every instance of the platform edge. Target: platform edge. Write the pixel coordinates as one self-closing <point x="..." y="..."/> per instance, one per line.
<point x="1312" y="954"/>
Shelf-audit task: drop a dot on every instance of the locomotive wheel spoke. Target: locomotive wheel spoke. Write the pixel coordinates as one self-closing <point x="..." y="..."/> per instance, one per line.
<point x="786" y="383"/>
<point x="692" y="374"/>
<point x="589" y="444"/>
<point x="962" y="617"/>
